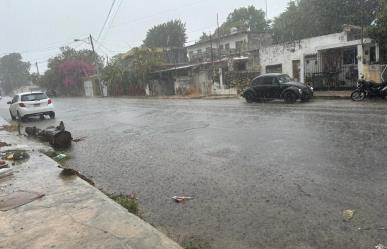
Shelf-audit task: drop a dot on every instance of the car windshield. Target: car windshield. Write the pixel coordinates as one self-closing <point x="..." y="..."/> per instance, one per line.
<point x="284" y="78"/>
<point x="33" y="97"/>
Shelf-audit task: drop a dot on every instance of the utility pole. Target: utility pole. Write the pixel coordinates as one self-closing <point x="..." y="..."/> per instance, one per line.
<point x="212" y="63"/>
<point x="362" y="23"/>
<point x="266" y="8"/>
<point x="37" y="68"/>
<point x="96" y="65"/>
<point x="217" y="22"/>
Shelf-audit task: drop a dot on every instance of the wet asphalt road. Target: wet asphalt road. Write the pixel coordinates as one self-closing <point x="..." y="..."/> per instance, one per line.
<point x="265" y="175"/>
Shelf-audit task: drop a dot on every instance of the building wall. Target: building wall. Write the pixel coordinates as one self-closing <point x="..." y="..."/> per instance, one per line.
<point x="251" y="41"/>
<point x="257" y="41"/>
<point x="286" y="53"/>
<point x="224" y="40"/>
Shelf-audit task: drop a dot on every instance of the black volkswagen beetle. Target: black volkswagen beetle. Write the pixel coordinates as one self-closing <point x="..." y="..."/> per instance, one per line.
<point x="277" y="86"/>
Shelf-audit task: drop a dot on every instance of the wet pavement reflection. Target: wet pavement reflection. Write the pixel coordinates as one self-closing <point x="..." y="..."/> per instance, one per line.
<point x="265" y="175"/>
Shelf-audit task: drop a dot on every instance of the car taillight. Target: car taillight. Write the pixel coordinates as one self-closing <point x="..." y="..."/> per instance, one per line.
<point x="49" y="101"/>
<point x="22" y="105"/>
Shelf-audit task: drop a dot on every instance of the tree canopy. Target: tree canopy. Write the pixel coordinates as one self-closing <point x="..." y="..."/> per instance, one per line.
<point x="378" y="29"/>
<point x="246" y="18"/>
<point x="133" y="69"/>
<point x="14" y="72"/>
<point x="165" y="35"/>
<point x="308" y="18"/>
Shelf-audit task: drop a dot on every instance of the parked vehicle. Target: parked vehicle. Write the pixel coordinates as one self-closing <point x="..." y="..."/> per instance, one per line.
<point x="366" y="89"/>
<point x="277" y="86"/>
<point x="24" y="105"/>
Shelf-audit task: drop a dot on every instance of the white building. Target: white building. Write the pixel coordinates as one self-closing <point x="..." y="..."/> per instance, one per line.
<point x="236" y="43"/>
<point x="328" y="62"/>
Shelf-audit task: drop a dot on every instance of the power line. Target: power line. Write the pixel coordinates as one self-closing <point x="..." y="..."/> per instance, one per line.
<point x="112" y="19"/>
<point x="117" y="10"/>
<point x="157" y="14"/>
<point x="107" y="19"/>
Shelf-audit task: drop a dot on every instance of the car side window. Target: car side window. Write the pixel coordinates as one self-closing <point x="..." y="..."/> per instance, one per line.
<point x="268" y="80"/>
<point x="257" y="81"/>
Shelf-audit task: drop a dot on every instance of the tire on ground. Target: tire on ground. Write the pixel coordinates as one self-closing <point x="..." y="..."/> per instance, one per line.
<point x="290" y="97"/>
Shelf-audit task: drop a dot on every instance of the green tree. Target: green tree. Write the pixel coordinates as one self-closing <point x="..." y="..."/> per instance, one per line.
<point x="133" y="69"/>
<point x="165" y="35"/>
<point x="246" y="18"/>
<point x="204" y="37"/>
<point x="144" y="61"/>
<point x="308" y="18"/>
<point x="117" y="76"/>
<point x="378" y="29"/>
<point x="14" y="72"/>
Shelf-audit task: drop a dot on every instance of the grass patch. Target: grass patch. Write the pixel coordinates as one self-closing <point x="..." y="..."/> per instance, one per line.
<point x="195" y="242"/>
<point x="129" y="202"/>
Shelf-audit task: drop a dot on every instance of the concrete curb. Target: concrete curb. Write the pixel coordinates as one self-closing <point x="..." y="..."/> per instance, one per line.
<point x="332" y="97"/>
<point x="72" y="213"/>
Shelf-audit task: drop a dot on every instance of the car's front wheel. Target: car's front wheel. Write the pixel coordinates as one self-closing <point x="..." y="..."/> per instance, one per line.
<point x="290" y="97"/>
<point x="52" y="115"/>
<point x="249" y="96"/>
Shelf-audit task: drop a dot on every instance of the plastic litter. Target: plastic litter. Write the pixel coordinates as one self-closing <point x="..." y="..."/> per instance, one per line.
<point x="348" y="214"/>
<point x="380" y="246"/>
<point x="77" y="140"/>
<point x="182" y="199"/>
<point x="60" y="157"/>
<point x="16" y="155"/>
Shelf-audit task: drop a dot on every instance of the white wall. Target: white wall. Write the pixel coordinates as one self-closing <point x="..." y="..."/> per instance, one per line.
<point x="223" y="41"/>
<point x="89" y="90"/>
<point x="285" y="53"/>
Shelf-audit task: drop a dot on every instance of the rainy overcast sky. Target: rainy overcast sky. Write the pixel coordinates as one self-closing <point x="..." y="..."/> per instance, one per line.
<point x="37" y="28"/>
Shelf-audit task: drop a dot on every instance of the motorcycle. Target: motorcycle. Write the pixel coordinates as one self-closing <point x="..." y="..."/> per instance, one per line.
<point x="366" y="89"/>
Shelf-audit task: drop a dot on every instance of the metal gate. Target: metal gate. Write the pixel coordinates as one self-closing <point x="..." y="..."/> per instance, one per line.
<point x="334" y="69"/>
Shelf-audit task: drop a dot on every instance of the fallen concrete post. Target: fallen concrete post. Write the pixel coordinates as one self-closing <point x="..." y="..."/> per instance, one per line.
<point x="58" y="137"/>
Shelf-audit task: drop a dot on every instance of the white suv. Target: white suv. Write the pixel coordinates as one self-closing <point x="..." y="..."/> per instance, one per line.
<point x="28" y="104"/>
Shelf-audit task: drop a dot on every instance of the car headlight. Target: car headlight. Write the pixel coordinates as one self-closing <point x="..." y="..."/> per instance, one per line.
<point x="300" y="90"/>
<point x="311" y="88"/>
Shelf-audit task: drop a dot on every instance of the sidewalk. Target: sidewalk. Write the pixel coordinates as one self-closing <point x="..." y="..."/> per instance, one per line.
<point x="210" y="97"/>
<point x="333" y="94"/>
<point x="71" y="214"/>
<point x="317" y="94"/>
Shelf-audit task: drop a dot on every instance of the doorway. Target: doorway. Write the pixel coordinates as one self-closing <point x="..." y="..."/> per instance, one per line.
<point x="296" y="70"/>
